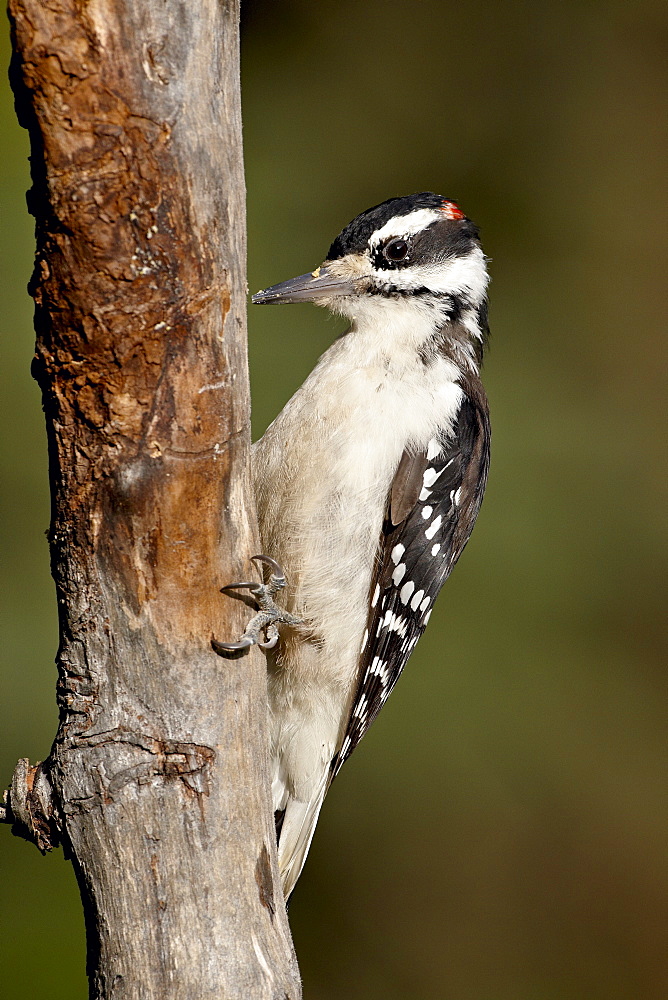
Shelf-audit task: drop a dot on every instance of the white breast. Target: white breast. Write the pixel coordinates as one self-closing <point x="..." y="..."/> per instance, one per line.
<point x="324" y="468"/>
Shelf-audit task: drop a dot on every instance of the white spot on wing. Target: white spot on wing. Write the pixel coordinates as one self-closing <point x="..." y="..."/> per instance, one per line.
<point x="416" y="599"/>
<point x="427" y="617"/>
<point x="433" y="527"/>
<point x="406" y="591"/>
<point x="430" y="476"/>
<point x="360" y="707"/>
<point x="425" y="603"/>
<point x="397" y="553"/>
<point x="424" y="494"/>
<point x="427" y="512"/>
<point x="374" y="599"/>
<point x="379" y="669"/>
<point x="435" y="549"/>
<point x="397" y="624"/>
<point x="433" y="449"/>
<point x="398" y="574"/>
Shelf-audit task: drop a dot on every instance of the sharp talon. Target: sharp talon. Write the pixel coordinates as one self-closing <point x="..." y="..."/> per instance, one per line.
<point x="272" y="638"/>
<point x="265" y="621"/>
<point x="275" y="566"/>
<point x="232" y="647"/>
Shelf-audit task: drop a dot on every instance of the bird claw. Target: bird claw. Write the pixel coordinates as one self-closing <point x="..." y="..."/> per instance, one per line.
<point x="278" y="572"/>
<point x="276" y="581"/>
<point x="232" y="647"/>
<point x="271" y="633"/>
<point x="243" y="584"/>
<point x="269" y="615"/>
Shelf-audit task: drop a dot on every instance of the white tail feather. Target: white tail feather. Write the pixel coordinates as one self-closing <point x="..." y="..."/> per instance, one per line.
<point x="297" y="832"/>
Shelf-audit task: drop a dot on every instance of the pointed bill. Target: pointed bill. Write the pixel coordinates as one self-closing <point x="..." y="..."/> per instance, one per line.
<point x="318" y="284"/>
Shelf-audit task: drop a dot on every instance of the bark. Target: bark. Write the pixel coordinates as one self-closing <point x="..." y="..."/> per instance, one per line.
<point x="157" y="782"/>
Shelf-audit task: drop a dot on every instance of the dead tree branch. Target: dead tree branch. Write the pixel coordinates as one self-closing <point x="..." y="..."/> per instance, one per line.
<point x="157" y="782"/>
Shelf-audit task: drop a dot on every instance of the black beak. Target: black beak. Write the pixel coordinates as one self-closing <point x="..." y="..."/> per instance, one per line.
<point x="319" y="284"/>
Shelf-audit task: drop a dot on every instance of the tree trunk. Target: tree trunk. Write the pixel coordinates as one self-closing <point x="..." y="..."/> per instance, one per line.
<point x="157" y="782"/>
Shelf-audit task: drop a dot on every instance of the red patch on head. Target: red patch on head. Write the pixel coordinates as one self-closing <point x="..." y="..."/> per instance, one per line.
<point x="451" y="211"/>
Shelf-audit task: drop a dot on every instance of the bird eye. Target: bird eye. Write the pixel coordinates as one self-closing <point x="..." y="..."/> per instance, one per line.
<point x="396" y="250"/>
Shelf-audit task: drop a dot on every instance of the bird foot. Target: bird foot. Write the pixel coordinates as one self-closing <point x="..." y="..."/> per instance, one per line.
<point x="269" y="615"/>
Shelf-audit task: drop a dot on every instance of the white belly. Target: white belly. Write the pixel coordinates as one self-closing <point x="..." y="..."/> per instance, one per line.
<point x="323" y="471"/>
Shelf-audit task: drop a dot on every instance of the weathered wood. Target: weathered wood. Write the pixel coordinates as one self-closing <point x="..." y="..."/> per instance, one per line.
<point x="157" y="782"/>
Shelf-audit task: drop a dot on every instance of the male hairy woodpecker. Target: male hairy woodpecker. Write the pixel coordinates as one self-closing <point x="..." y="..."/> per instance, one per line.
<point x="368" y="484"/>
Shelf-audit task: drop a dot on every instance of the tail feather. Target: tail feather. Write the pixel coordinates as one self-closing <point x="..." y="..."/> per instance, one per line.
<point x="296" y="833"/>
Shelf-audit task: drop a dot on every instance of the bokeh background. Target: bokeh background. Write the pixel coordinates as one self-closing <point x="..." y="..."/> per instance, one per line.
<point x="501" y="832"/>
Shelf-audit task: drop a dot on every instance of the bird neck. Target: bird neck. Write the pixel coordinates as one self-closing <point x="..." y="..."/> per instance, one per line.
<point x="412" y="331"/>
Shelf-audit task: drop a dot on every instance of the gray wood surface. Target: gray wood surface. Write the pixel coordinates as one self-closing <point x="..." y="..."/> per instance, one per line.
<point x="157" y="783"/>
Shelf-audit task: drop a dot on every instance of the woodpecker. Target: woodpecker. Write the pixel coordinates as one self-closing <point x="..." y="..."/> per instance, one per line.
<point x="368" y="484"/>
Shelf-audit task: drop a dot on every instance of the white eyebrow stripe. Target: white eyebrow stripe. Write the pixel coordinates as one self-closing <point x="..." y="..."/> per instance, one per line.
<point x="406" y="225"/>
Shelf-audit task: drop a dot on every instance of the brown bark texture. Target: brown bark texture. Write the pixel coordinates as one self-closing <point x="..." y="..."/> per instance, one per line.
<point x="157" y="781"/>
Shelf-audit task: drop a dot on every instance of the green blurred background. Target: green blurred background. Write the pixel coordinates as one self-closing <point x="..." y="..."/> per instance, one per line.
<point x="501" y="833"/>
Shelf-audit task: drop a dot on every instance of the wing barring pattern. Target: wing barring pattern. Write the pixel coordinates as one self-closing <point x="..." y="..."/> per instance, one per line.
<point x="431" y="510"/>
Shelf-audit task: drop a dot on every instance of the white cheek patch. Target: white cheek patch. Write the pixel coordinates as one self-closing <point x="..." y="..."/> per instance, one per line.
<point x="450" y="276"/>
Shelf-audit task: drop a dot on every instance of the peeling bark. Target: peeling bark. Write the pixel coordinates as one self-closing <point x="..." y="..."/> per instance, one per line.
<point x="157" y="781"/>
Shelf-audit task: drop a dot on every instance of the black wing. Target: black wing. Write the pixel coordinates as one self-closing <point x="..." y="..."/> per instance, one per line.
<point x="432" y="507"/>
